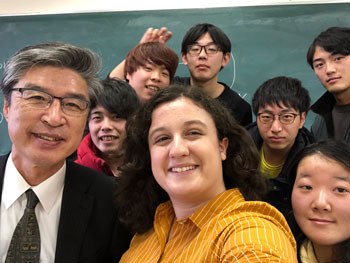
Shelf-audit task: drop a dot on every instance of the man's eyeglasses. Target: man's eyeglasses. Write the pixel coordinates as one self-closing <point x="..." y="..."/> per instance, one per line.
<point x="210" y="49"/>
<point x="39" y="99"/>
<point x="284" y="118"/>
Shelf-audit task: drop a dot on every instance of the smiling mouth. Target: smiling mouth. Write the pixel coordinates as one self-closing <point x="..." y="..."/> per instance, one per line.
<point x="154" y="88"/>
<point x="48" y="138"/>
<point x="182" y="169"/>
<point x="108" y="138"/>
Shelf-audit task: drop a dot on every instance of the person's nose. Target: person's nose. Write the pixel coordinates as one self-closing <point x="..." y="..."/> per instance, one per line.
<point x="321" y="202"/>
<point x="155" y="75"/>
<point x="106" y="124"/>
<point x="276" y="125"/>
<point x="330" y="67"/>
<point x="53" y="115"/>
<point x="178" y="147"/>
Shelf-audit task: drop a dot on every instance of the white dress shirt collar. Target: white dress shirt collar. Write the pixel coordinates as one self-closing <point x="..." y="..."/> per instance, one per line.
<point x="15" y="185"/>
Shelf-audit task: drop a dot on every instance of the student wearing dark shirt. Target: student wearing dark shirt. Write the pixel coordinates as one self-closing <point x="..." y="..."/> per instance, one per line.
<point x="205" y="50"/>
<point x="329" y="57"/>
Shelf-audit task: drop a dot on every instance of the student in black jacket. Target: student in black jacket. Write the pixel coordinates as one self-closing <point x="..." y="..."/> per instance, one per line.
<point x="280" y="105"/>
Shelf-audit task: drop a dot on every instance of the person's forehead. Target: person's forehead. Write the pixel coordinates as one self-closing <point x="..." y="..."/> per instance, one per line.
<point x="274" y="107"/>
<point x="58" y="81"/>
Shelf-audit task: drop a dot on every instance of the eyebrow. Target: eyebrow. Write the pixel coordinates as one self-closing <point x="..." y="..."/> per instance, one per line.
<point x="339" y="178"/>
<point x="69" y="95"/>
<point x="186" y="123"/>
<point x="342" y="178"/>
<point x="317" y="60"/>
<point x="282" y="111"/>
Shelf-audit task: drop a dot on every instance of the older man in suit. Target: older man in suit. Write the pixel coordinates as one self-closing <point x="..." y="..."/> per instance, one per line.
<point x="47" y="89"/>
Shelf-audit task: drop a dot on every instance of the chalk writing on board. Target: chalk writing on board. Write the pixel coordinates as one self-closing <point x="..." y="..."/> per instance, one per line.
<point x="1" y="117"/>
<point x="2" y="65"/>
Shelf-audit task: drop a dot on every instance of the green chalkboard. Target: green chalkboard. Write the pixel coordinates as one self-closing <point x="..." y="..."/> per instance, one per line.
<point x="267" y="41"/>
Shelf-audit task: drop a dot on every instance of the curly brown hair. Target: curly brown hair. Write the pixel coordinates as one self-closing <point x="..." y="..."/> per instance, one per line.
<point x="138" y="194"/>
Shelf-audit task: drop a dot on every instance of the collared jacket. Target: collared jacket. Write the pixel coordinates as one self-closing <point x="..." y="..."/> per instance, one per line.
<point x="88" y="155"/>
<point x="323" y="128"/>
<point x="280" y="188"/>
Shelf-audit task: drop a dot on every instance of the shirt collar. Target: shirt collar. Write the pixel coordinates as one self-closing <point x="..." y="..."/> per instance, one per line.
<point x="204" y="214"/>
<point x="15" y="185"/>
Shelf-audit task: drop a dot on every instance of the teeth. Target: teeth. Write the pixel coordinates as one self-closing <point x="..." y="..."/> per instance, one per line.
<point x="108" y="138"/>
<point x="153" y="88"/>
<point x="48" y="138"/>
<point x="182" y="169"/>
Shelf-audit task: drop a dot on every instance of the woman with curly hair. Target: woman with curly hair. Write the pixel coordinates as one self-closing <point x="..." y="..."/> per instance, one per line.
<point x="320" y="199"/>
<point x="189" y="172"/>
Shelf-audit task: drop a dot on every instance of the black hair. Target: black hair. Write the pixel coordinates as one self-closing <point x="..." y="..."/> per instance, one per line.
<point x="117" y="97"/>
<point x="338" y="151"/>
<point x="282" y="90"/>
<point x="218" y="36"/>
<point x="335" y="40"/>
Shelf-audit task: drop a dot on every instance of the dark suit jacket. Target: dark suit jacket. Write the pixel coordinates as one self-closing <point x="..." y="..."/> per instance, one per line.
<point x="89" y="230"/>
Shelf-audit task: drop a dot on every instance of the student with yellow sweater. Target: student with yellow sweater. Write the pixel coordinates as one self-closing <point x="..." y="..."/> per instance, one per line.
<point x="190" y="183"/>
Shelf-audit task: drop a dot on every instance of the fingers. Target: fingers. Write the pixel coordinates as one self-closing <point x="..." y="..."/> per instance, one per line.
<point x="161" y="35"/>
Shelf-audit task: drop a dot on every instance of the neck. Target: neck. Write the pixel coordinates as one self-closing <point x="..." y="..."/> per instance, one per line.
<point x="323" y="253"/>
<point x="275" y="157"/>
<point x="342" y="98"/>
<point x="185" y="206"/>
<point x="113" y="161"/>
<point x="35" y="174"/>
<point x="210" y="87"/>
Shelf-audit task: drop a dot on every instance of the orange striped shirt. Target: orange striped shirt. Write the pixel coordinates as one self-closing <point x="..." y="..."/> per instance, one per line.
<point x="226" y="229"/>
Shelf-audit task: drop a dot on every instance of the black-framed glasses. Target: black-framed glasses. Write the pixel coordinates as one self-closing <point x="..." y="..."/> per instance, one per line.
<point x="284" y="118"/>
<point x="196" y="49"/>
<point x="39" y="99"/>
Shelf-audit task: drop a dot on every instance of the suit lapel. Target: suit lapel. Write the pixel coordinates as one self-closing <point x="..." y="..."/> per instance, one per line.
<point x="75" y="213"/>
<point x="3" y="161"/>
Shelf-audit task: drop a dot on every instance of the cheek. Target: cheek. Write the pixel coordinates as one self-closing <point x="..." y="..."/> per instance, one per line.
<point x="299" y="204"/>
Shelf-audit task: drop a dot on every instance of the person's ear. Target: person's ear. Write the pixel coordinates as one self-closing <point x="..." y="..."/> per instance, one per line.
<point x="302" y="119"/>
<point x="223" y="144"/>
<point x="5" y="109"/>
<point x="225" y="59"/>
<point x="184" y="58"/>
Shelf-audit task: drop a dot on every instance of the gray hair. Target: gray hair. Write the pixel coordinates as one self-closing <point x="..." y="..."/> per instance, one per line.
<point x="81" y="60"/>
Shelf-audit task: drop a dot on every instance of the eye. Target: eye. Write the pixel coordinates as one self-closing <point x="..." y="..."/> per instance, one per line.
<point x="161" y="139"/>
<point x="116" y="118"/>
<point x="338" y="58"/>
<point x="287" y="116"/>
<point x="165" y="74"/>
<point x="195" y="48"/>
<point x="340" y="190"/>
<point x="147" y="68"/>
<point x="318" y="65"/>
<point x="95" y="117"/>
<point x="305" y="187"/>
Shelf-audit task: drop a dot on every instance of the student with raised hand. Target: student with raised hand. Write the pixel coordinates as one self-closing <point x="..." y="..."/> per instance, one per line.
<point x="280" y="105"/>
<point x="190" y="183"/>
<point x="148" y="67"/>
<point x="205" y="50"/>
<point x="110" y="108"/>
<point x="52" y="209"/>
<point x="320" y="179"/>
<point x="329" y="57"/>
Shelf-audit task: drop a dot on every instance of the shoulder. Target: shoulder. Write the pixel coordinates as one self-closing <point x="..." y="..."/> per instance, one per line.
<point x="260" y="231"/>
<point x="96" y="180"/>
<point x="231" y="96"/>
<point x="319" y="128"/>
